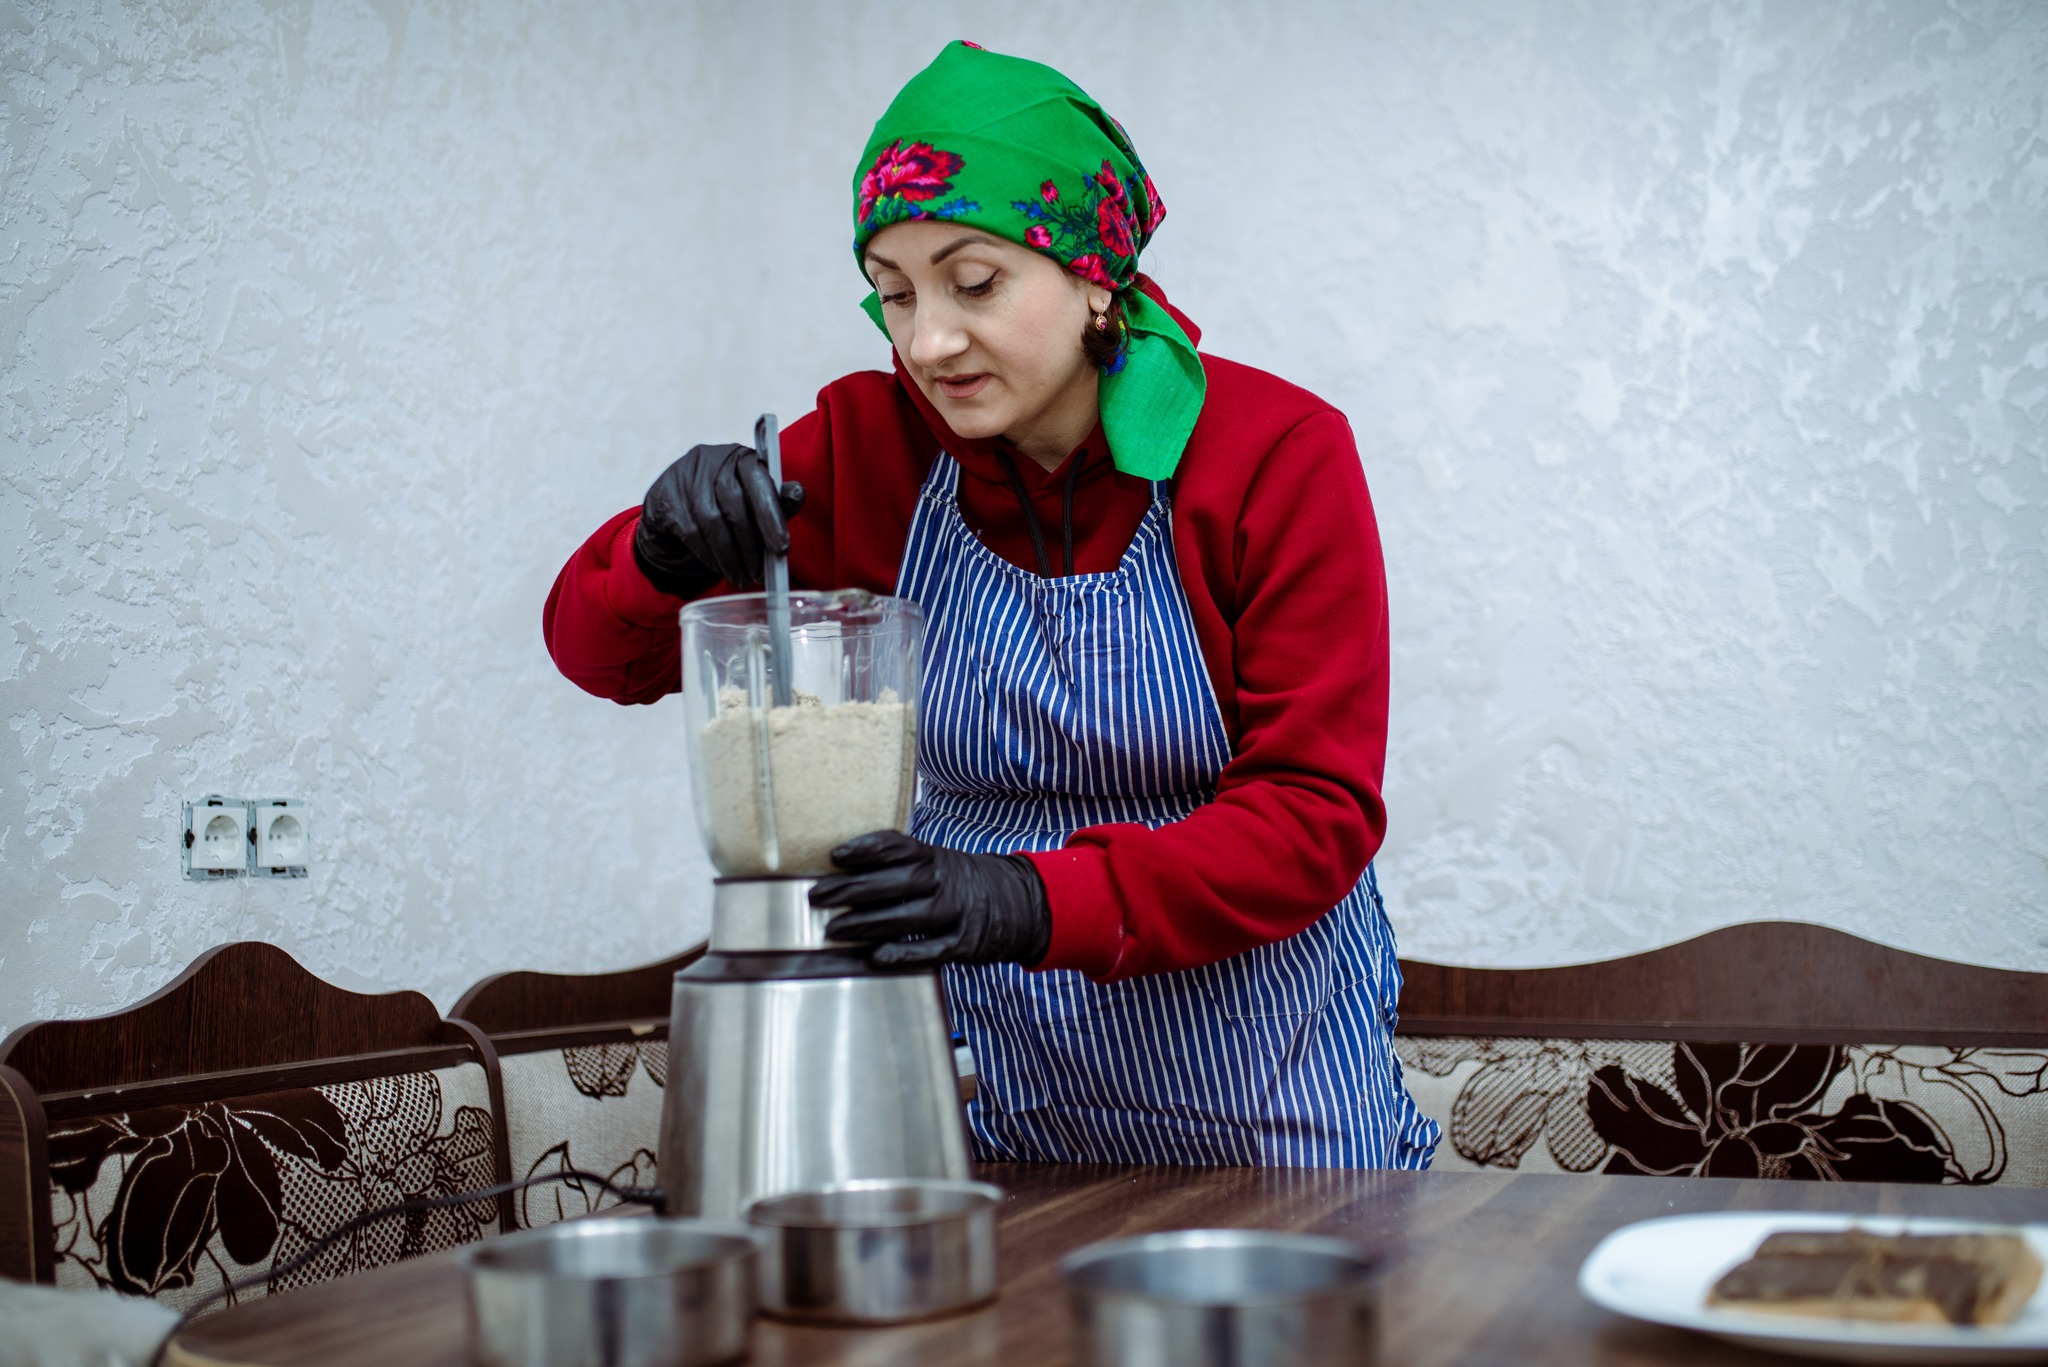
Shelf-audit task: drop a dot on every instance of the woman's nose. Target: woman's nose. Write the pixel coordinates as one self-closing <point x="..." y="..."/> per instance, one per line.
<point x="936" y="337"/>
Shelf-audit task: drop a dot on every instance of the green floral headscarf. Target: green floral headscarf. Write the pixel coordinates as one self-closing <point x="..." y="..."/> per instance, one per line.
<point x="1018" y="150"/>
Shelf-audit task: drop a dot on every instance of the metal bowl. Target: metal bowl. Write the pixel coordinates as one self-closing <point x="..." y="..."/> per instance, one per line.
<point x="613" y="1293"/>
<point x="877" y="1252"/>
<point x="1217" y="1297"/>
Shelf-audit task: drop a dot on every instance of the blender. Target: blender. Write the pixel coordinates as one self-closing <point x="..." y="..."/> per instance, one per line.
<point x="794" y="1064"/>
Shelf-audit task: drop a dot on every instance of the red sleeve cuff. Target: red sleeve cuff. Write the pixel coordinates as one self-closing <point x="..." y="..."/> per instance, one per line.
<point x="629" y="594"/>
<point x="1087" y="927"/>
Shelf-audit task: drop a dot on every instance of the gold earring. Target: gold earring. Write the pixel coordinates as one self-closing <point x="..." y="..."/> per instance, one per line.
<point x="1101" y="321"/>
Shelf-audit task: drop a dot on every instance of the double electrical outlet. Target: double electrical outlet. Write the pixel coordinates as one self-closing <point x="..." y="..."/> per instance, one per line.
<point x="228" y="837"/>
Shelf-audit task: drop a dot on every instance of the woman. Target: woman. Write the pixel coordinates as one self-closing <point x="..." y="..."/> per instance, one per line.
<point x="1155" y="679"/>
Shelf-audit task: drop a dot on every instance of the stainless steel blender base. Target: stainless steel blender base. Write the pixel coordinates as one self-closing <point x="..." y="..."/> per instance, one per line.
<point x="758" y="914"/>
<point x="795" y="1066"/>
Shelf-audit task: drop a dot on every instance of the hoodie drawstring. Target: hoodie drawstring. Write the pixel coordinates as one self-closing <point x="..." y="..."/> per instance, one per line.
<point x="1031" y="514"/>
<point x="1067" y="511"/>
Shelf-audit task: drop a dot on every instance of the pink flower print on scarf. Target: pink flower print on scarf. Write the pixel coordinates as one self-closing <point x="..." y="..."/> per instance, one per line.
<point x="1089" y="267"/>
<point x="1113" y="225"/>
<point x="1155" y="207"/>
<point x="908" y="174"/>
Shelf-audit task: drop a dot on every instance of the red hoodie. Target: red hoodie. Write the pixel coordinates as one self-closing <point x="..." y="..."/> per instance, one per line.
<point x="1277" y="547"/>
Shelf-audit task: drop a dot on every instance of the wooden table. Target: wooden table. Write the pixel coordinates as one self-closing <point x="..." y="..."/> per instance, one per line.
<point x="1485" y="1268"/>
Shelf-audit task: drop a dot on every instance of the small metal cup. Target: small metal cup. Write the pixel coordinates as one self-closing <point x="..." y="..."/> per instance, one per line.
<point x="613" y="1293"/>
<point x="880" y="1251"/>
<point x="1221" y="1298"/>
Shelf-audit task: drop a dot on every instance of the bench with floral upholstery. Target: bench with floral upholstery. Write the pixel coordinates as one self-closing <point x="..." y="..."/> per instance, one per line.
<point x="219" y="1128"/>
<point x="1773" y="1049"/>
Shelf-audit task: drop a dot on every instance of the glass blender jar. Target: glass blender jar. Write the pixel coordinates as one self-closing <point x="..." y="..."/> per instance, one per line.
<point x="775" y="788"/>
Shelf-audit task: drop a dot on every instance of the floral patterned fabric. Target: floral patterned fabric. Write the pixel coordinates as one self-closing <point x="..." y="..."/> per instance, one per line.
<point x="1017" y="150"/>
<point x="1972" y="1116"/>
<point x="1096" y="231"/>
<point x="173" y="1202"/>
<point x="593" y="1108"/>
<point x="902" y="182"/>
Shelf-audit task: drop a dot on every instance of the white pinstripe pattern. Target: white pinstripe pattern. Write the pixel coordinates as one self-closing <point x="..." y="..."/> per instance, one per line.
<point x="1050" y="705"/>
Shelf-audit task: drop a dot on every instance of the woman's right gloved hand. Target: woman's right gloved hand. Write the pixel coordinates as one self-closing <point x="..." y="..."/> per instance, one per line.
<point x="713" y="515"/>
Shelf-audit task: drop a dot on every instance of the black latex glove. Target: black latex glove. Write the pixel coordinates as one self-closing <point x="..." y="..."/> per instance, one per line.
<point x="971" y="908"/>
<point x="713" y="515"/>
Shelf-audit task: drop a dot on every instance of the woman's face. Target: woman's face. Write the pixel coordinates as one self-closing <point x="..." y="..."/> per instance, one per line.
<point x="990" y="331"/>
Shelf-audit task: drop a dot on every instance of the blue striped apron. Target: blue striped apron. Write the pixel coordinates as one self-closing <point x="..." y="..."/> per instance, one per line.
<point x="1050" y="705"/>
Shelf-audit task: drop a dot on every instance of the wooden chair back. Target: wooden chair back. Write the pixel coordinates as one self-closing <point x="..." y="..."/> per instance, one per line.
<point x="585" y="1062"/>
<point x="247" y="1088"/>
<point x="1768" y="981"/>
<point x="25" y="1236"/>
<point x="541" y="1010"/>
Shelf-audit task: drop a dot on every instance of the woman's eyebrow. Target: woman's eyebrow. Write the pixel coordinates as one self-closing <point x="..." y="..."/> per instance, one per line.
<point x="941" y="254"/>
<point x="955" y="245"/>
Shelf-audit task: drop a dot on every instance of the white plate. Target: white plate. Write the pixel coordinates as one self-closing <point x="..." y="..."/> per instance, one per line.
<point x="1661" y="1270"/>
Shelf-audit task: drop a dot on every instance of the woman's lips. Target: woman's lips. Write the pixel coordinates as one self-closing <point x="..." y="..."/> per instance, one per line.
<point x="961" y="386"/>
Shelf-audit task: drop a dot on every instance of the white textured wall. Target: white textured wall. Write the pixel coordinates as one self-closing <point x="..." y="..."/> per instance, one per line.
<point x="1698" y="354"/>
<point x="329" y="329"/>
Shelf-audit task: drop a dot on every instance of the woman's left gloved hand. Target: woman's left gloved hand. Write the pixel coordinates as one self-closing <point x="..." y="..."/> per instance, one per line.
<point x="970" y="908"/>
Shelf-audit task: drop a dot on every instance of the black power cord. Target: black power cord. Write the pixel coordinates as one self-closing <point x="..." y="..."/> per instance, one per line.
<point x="636" y="1196"/>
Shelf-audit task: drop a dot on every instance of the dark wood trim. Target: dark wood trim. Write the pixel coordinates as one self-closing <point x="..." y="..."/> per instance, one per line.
<point x="237" y="1007"/>
<point x="501" y="1133"/>
<point x="1765" y="982"/>
<point x="187" y="1091"/>
<point x="27" y="1245"/>
<point x="611" y="1032"/>
<point x="1725" y="1032"/>
<point x="505" y="1003"/>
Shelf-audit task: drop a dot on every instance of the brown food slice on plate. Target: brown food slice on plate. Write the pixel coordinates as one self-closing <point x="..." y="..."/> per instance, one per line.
<point x="1853" y="1274"/>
